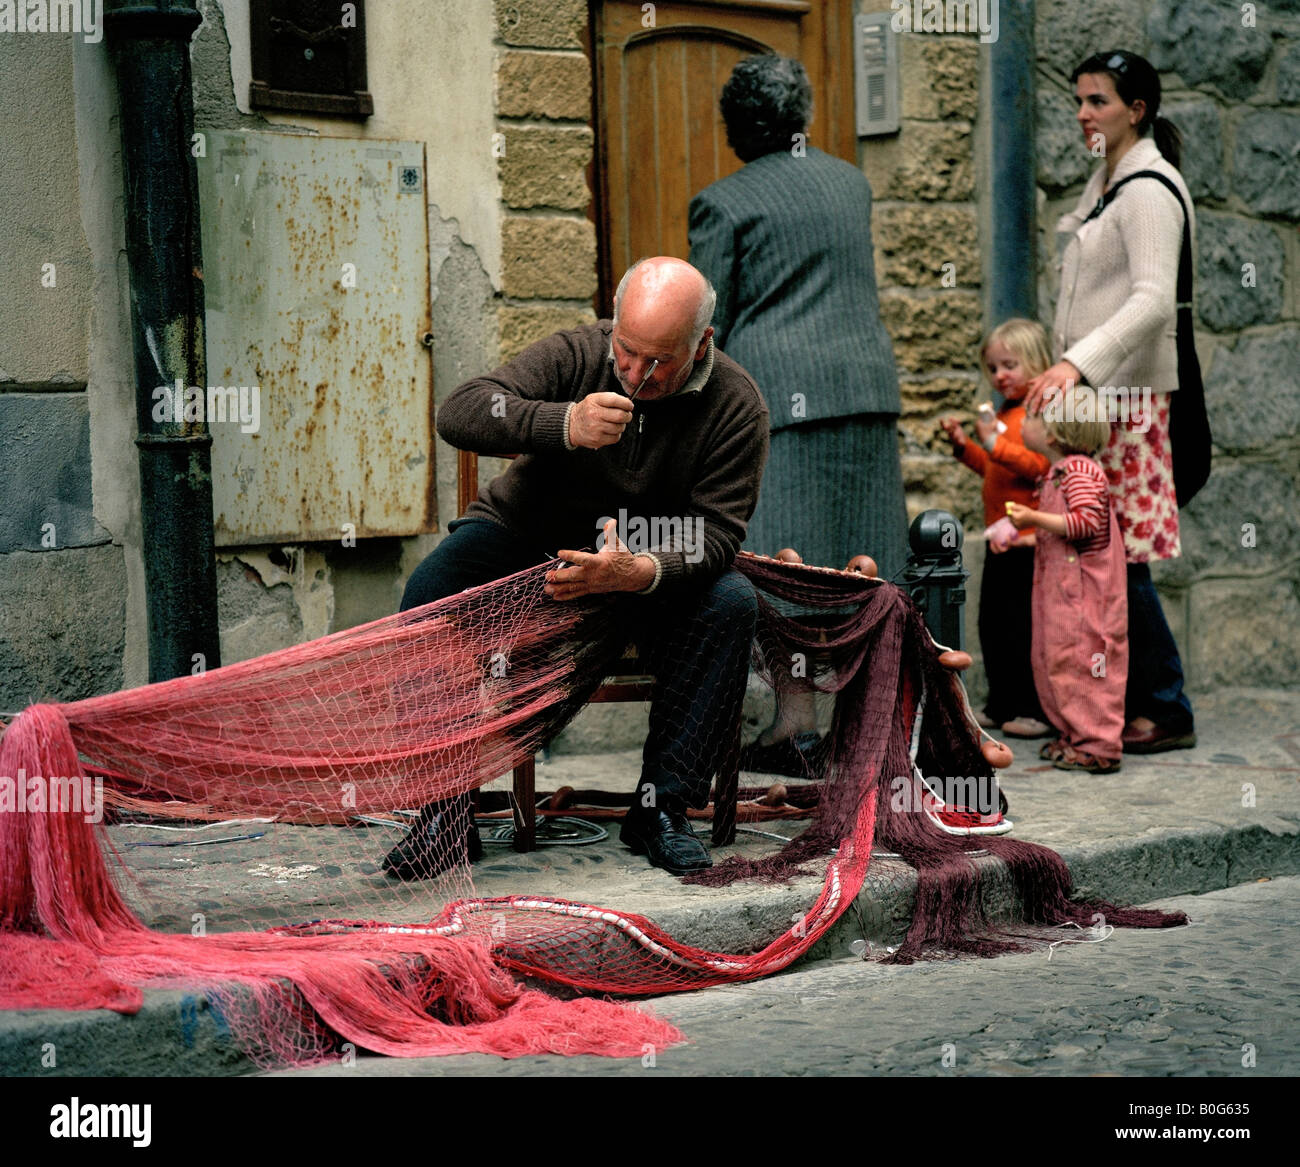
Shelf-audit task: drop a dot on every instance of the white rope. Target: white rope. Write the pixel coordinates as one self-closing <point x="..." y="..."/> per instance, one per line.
<point x="1098" y="933"/>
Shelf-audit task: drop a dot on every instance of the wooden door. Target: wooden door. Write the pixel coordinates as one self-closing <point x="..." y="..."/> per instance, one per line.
<point x="660" y="137"/>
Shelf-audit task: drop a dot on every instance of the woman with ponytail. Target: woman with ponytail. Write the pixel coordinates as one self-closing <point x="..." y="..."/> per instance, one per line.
<point x="1116" y="329"/>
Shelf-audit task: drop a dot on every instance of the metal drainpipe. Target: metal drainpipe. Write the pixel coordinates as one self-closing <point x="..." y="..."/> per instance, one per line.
<point x="1013" y="283"/>
<point x="150" y="43"/>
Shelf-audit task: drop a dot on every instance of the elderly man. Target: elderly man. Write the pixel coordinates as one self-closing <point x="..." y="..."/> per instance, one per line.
<point x="641" y="418"/>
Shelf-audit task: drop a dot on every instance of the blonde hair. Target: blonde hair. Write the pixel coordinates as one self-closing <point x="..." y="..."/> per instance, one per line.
<point x="1075" y="420"/>
<point x="1027" y="339"/>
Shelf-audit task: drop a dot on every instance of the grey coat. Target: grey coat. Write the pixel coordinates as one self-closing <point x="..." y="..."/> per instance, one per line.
<point x="787" y="243"/>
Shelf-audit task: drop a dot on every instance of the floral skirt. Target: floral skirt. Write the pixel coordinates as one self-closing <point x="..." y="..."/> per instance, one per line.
<point x="1140" y="470"/>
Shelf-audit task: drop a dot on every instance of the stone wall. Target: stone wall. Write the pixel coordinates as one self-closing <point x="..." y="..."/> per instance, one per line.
<point x="63" y="574"/>
<point x="928" y="260"/>
<point x="1231" y="79"/>
<point x="544" y="146"/>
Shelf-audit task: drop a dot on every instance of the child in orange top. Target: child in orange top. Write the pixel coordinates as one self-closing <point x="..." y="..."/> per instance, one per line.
<point x="1080" y="651"/>
<point x="1012" y="356"/>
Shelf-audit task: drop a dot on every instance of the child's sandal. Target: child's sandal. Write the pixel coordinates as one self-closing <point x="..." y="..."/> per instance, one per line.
<point x="1073" y="759"/>
<point x="1053" y="751"/>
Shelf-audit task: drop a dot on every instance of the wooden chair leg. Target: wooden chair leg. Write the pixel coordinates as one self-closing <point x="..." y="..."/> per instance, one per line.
<point x="726" y="792"/>
<point x="525" y="806"/>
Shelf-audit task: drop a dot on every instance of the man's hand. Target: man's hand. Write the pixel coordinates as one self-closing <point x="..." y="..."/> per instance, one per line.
<point x="611" y="569"/>
<point x="599" y="419"/>
<point x="1057" y="377"/>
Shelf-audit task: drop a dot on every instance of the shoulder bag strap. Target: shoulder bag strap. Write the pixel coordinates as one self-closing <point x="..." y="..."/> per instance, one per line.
<point x="1184" y="298"/>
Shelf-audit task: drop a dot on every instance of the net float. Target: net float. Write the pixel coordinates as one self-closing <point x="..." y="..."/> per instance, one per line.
<point x="955" y="659"/>
<point x="775" y="796"/>
<point x="562" y="798"/>
<point x="863" y="565"/>
<point x="997" y="755"/>
<point x="789" y="555"/>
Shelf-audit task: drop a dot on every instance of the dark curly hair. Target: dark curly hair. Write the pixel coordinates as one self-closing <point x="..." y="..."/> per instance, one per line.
<point x="766" y="100"/>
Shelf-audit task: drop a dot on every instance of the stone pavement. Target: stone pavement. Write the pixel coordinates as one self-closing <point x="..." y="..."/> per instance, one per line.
<point x="1189" y="822"/>
<point x="1208" y="999"/>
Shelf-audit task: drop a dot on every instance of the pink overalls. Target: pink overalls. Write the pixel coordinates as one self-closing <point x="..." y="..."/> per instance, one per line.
<point x="1080" y="630"/>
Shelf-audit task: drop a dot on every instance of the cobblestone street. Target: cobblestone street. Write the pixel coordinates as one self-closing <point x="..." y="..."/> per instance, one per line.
<point x="1199" y="1000"/>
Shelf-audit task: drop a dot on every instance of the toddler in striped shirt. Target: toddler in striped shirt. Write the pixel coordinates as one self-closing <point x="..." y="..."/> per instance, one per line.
<point x="1080" y="607"/>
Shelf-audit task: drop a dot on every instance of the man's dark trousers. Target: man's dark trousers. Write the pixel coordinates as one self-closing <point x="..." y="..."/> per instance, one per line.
<point x="696" y="642"/>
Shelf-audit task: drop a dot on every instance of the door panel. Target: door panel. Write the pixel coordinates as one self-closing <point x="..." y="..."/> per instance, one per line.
<point x="660" y="135"/>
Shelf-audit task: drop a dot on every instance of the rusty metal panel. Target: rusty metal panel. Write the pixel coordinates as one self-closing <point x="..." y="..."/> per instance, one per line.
<point x="316" y="262"/>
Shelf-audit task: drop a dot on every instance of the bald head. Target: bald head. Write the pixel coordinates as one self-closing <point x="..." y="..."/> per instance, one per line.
<point x="667" y="296"/>
<point x="662" y="311"/>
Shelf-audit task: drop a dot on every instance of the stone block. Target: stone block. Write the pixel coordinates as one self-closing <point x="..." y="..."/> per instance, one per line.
<point x="1063" y="157"/>
<point x="1267" y="164"/>
<point x="46" y="504"/>
<point x="1252" y="392"/>
<point x="925" y="402"/>
<point x="47" y="293"/>
<point x="544" y="85"/>
<point x="62" y="625"/>
<point x="941" y="394"/>
<point x="941" y="331"/>
<point x="1202" y="166"/>
<point x="1288" y="75"/>
<point x="544" y="167"/>
<point x="915" y="241"/>
<point x="1068" y="32"/>
<point x="542" y="24"/>
<point x="940" y="78"/>
<point x="1244" y="521"/>
<point x="521" y="325"/>
<point x="1244" y="632"/>
<point x="1224" y="245"/>
<point x="1207" y="43"/>
<point x="548" y="258"/>
<point x="929" y="161"/>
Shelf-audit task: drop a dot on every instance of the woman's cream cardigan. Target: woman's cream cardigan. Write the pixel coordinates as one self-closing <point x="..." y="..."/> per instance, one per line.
<point x="1115" y="313"/>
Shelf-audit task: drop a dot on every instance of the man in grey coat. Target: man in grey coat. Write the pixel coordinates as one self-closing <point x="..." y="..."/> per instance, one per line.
<point x="786" y="241"/>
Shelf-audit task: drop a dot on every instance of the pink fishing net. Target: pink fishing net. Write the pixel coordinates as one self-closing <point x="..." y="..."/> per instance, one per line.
<point x="437" y="701"/>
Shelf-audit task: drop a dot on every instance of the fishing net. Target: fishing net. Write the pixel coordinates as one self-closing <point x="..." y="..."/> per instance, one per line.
<point x="306" y="749"/>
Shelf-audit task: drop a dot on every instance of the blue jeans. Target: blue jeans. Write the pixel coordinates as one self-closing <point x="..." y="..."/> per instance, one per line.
<point x="696" y="642"/>
<point x="1155" y="673"/>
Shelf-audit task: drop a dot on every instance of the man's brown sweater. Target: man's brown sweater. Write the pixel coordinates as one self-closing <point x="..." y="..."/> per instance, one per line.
<point x="687" y="467"/>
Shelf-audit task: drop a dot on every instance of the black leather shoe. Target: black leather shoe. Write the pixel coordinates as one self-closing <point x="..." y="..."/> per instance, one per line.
<point x="666" y="838"/>
<point x="440" y="838"/>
